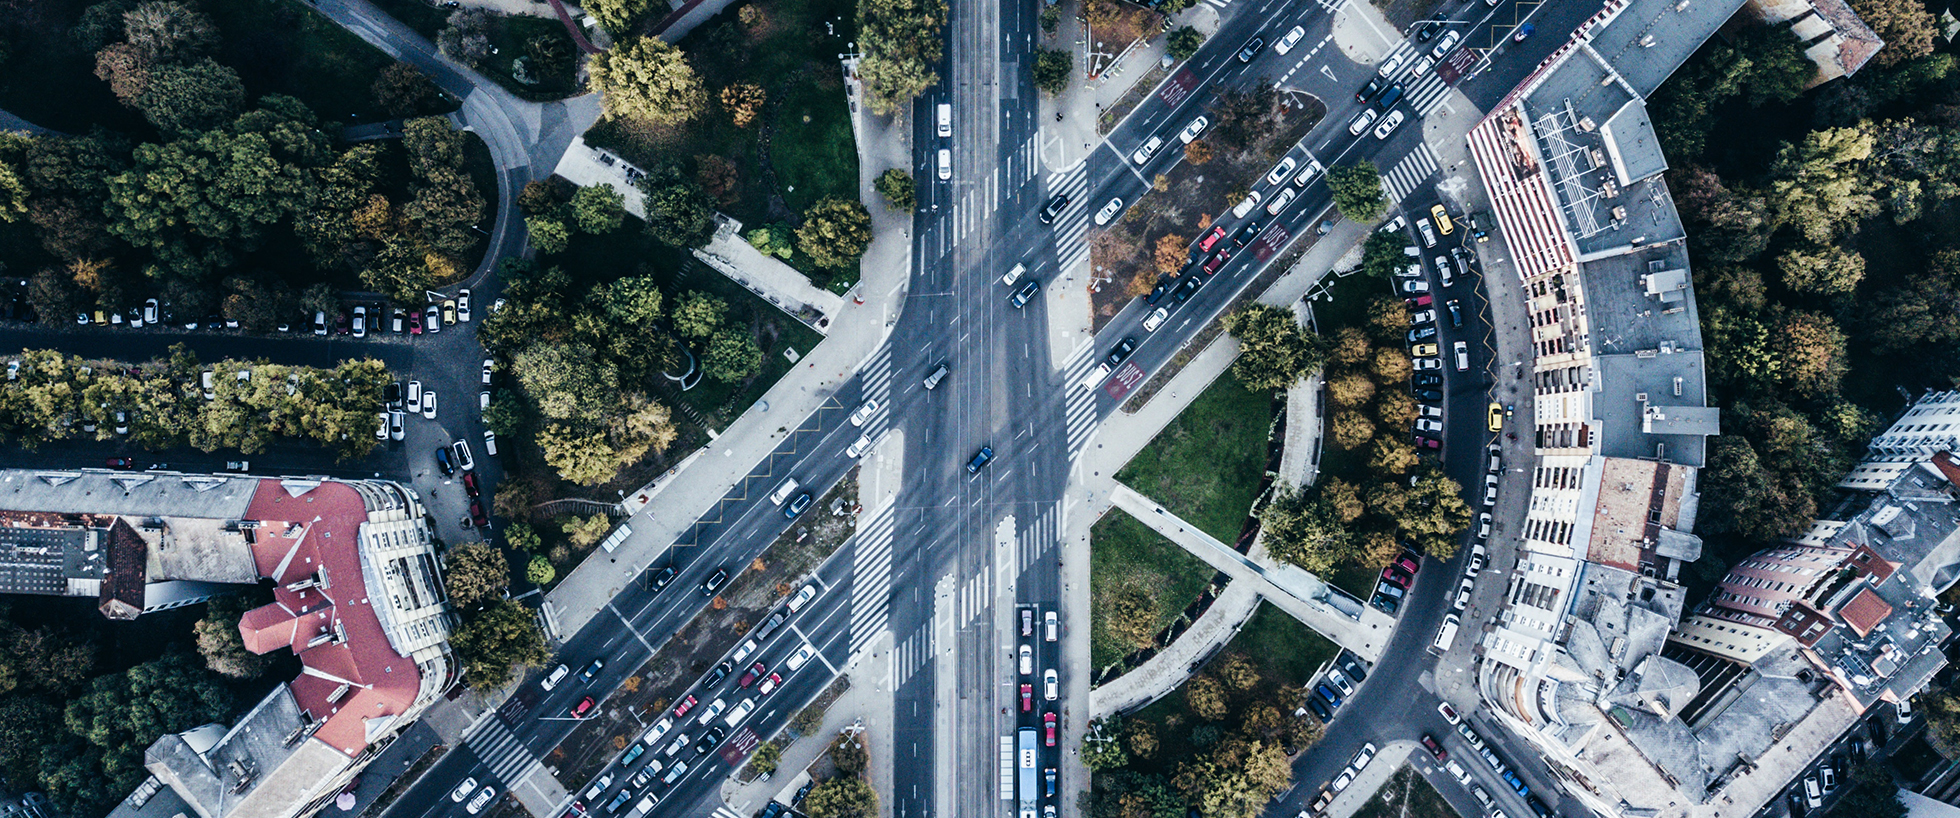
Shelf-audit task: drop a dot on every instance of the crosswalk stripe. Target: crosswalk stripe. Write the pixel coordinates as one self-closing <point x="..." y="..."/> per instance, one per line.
<point x="871" y="564"/>
<point x="1402" y="179"/>
<point x="1427" y="94"/>
<point x="1070" y="244"/>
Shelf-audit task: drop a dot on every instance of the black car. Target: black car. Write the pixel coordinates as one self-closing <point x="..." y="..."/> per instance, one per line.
<point x="1352" y="667"/>
<point x="1429" y="396"/>
<point x="717" y="675"/>
<point x="1246" y="233"/>
<point x="714" y="582"/>
<point x="1026" y="292"/>
<point x="1369" y="91"/>
<point x="1319" y="709"/>
<point x="1251" y="49"/>
<point x="1428" y="31"/>
<point x="1539" y="807"/>
<point x="1385" y="604"/>
<point x="797" y="505"/>
<point x="1420" y="334"/>
<point x="710" y="739"/>
<point x="980" y="460"/>
<point x="657" y="580"/>
<point x="802" y="793"/>
<point x="1456" y="312"/>
<point x="393" y="395"/>
<point x="1185" y="290"/>
<point x="1428" y="379"/>
<point x="1158" y="292"/>
<point x="1054" y="208"/>
<point x="1121" y="352"/>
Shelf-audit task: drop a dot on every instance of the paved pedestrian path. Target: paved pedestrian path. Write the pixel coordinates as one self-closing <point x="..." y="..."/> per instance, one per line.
<point x="1169" y="668"/>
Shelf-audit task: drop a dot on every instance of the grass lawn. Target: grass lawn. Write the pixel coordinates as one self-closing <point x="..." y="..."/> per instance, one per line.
<point x="630" y="251"/>
<point x="1123" y="554"/>
<point x="1406" y="795"/>
<point x="1206" y="465"/>
<point x="800" y="150"/>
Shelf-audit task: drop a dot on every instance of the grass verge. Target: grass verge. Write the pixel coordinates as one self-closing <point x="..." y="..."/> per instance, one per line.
<point x="1206" y="465"/>
<point x="1125" y="555"/>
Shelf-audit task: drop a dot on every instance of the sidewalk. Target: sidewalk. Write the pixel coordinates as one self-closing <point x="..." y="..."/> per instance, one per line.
<point x="1169" y="668"/>
<point x="866" y="703"/>
<point x="855" y="332"/>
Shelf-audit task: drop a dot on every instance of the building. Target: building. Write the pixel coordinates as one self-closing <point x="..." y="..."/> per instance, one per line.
<point x="358" y="598"/>
<point x="1833" y="37"/>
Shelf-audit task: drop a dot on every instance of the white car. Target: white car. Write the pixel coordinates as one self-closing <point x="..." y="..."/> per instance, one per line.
<point x="483" y="400"/>
<point x="490" y="443"/>
<point x="713" y="709"/>
<point x="1109" y="211"/>
<point x="463" y="304"/>
<point x="1427" y="425"/>
<point x="1052" y="625"/>
<point x="489" y="366"/>
<point x="1281" y="200"/>
<point x="360" y="322"/>
<point x="1445" y="43"/>
<point x="1359" y="125"/>
<point x="1192" y="130"/>
<point x="1422" y="65"/>
<point x="1463" y="591"/>
<point x="1392" y="64"/>
<point x="1308" y="173"/>
<point x="481" y="800"/>
<point x="1428" y="364"/>
<point x="1490" y="490"/>
<point x="1483" y="525"/>
<point x="1362" y="758"/>
<point x="1242" y="208"/>
<point x="429" y="405"/>
<point x="551" y="680"/>
<point x="945" y="164"/>
<point x="1291" y="39"/>
<point x="803" y="597"/>
<point x="414" y="402"/>
<point x="1145" y="151"/>
<point x="1027" y="660"/>
<point x="1342" y="781"/>
<point x="858" y="447"/>
<point x="462" y="790"/>
<point x="381" y="433"/>
<point x="1421" y="317"/>
<point x="1156" y="319"/>
<point x="1279" y="171"/>
<point x="1051" y="687"/>
<point x="864" y="412"/>
<point x="1389" y="124"/>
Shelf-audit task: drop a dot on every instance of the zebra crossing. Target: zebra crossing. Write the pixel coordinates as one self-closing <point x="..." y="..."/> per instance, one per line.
<point x="909" y="655"/>
<point x="875" y="379"/>
<point x="1072" y="226"/>
<point x="1038" y="538"/>
<point x="1402" y="179"/>
<point x="498" y="748"/>
<point x="1024" y="163"/>
<point x="1424" y="93"/>
<point x="1080" y="410"/>
<point x="723" y="811"/>
<point x="871" y="577"/>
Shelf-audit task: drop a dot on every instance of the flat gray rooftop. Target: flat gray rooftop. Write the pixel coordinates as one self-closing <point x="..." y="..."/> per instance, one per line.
<point x="1648" y="41"/>
<point x="1618" y="410"/>
<point x="127" y="494"/>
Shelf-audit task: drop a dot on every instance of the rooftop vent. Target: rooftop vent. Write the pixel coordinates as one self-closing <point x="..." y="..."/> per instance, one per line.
<point x="1647" y="41"/>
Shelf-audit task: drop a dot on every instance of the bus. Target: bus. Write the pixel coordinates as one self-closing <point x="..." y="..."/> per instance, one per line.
<point x="1028" y="772"/>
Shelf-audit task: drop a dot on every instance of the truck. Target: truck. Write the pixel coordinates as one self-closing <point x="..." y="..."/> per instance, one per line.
<point x="783" y="491"/>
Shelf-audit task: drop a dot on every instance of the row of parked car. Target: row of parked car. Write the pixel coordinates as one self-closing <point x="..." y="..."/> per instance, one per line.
<point x="1481" y="750"/>
<point x="684" y="750"/>
<point x="357" y="320"/>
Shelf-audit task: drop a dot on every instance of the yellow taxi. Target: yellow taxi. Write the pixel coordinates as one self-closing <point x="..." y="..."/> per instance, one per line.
<point x="1442" y="218"/>
<point x="1496" y="417"/>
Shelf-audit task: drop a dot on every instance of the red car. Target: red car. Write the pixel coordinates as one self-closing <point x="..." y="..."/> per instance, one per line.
<point x="1418" y="301"/>
<point x="1435" y="749"/>
<point x="1048" y="721"/>
<point x="1407" y="562"/>
<point x="1218" y="261"/>
<point x="584" y="707"/>
<point x="755" y="672"/>
<point x="1423" y="442"/>
<point x="121" y="463"/>
<point x="477" y="517"/>
<point x="469" y="483"/>
<point x="1396" y="577"/>
<point x="687" y="703"/>
<point x="1210" y="241"/>
<point x="1027" y="698"/>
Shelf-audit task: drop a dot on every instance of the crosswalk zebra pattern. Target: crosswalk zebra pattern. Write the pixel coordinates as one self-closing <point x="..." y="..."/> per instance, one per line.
<point x="500" y="750"/>
<point x="1424" y="93"/>
<point x="1072" y="227"/>
<point x="1038" y="538"/>
<point x="909" y="655"/>
<point x="1427" y="94"/>
<point x="1081" y="407"/>
<point x="871" y="578"/>
<point x="1402" y="179"/>
<point x="875" y="380"/>
<point x="1025" y="162"/>
<point x="723" y="811"/>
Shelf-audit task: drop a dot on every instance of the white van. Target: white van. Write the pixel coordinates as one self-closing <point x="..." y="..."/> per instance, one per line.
<point x="1446" y="636"/>
<point x="945" y="119"/>
<point x="933" y="378"/>
<point x="783" y="491"/>
<point x="801" y="657"/>
<point x="741" y="711"/>
<point x="1242" y="208"/>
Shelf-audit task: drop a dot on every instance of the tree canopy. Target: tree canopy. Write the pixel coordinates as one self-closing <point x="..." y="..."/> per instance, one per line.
<point x="1357" y="190"/>
<point x="645" y="78"/>
<point x="1274" y="350"/>
<point x="900" y="42"/>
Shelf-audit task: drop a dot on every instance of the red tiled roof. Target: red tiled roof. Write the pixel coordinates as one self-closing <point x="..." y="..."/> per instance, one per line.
<point x="1949" y="468"/>
<point x="1864" y="612"/>
<point x="324" y="528"/>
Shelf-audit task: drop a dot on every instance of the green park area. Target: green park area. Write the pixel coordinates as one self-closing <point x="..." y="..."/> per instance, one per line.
<point x="1406" y="795"/>
<point x="1206" y="465"/>
<point x="1139" y="582"/>
<point x="1226" y="735"/>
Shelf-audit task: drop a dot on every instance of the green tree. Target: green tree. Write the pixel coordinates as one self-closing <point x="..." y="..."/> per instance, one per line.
<point x="197" y="202"/>
<point x="633" y="301"/>
<point x="1357" y="190"/>
<point x="1942" y="723"/>
<point x="550" y="236"/>
<point x="1745" y="498"/>
<point x="581" y="455"/>
<point x="402" y="90"/>
<point x="900" y="42"/>
<point x="1726" y="224"/>
<point x="466" y="36"/>
<point x="1384" y="253"/>
<point x="1132" y="616"/>
<point x="848" y="754"/>
<point x="539" y="571"/>
<point x="495" y="643"/>
<point x="732" y="356"/>
<point x="1206" y="697"/>
<point x="566" y="381"/>
<point x="835" y="232"/>
<point x="1431" y="512"/>
<point x="699" y="315"/>
<point x="1245" y="116"/>
<point x="1905" y="25"/>
<point x="585" y="532"/>
<point x="1777" y="70"/>
<point x="1391" y="456"/>
<point x="1819" y="186"/>
<point x="121" y="714"/>
<point x="221" y="643"/>
<point x="1828" y="270"/>
<point x="181" y="99"/>
<point x="168" y="32"/>
<point x="519" y="535"/>
<point x="766" y="758"/>
<point x="1275" y="352"/>
<point x="773" y="240"/>
<point x="1304" y="531"/>
<point x="598" y="209"/>
<point x="647" y="79"/>
<point x="845" y="796"/>
<point x="1871" y="793"/>
<point x="677" y="211"/>
<point x="617" y="17"/>
<point x="1183" y="42"/>
<point x="898" y="189"/>
<point x="474" y="573"/>
<point x="1052" y="69"/>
